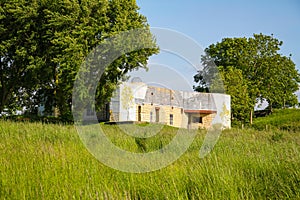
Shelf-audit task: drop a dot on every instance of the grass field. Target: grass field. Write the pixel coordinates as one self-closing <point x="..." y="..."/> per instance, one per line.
<point x="49" y="162"/>
<point x="286" y="119"/>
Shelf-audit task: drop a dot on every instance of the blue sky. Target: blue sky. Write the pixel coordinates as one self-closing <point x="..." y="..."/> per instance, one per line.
<point x="209" y="21"/>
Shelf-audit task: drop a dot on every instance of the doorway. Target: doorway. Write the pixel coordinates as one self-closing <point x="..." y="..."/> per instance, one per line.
<point x="139" y="113"/>
<point x="157" y="115"/>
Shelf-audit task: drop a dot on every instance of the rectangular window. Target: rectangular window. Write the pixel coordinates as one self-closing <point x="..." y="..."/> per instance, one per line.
<point x="197" y="120"/>
<point x="151" y="116"/>
<point x="171" y="119"/>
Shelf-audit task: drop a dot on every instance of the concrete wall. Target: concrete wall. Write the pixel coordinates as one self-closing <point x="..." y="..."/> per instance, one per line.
<point x="223" y="105"/>
<point x="164" y="114"/>
<point x="125" y="106"/>
<point x="180" y="118"/>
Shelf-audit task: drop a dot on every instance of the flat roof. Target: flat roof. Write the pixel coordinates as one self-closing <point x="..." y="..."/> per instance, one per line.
<point x="200" y="111"/>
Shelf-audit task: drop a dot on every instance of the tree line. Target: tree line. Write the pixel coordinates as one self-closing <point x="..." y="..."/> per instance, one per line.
<point x="249" y="69"/>
<point x="44" y="42"/>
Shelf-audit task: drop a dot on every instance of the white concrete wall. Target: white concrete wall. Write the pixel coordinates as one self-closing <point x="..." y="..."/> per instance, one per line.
<point x="129" y="92"/>
<point x="223" y="104"/>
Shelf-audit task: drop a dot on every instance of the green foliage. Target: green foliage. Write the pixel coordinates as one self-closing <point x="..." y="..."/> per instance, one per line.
<point x="43" y="44"/>
<point x="256" y="62"/>
<point x="277" y="136"/>
<point x="18" y="21"/>
<point x="236" y="85"/>
<point x="282" y="119"/>
<point x="50" y="162"/>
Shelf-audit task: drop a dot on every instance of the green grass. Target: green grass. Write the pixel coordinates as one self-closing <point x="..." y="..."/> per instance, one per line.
<point x="49" y="162"/>
<point x="284" y="119"/>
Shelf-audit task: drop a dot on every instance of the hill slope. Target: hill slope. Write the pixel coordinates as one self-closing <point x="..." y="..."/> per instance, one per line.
<point x="284" y="119"/>
<point x="50" y="162"/>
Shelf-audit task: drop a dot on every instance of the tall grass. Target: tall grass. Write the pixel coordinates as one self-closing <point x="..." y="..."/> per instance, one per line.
<point x="49" y="162"/>
<point x="283" y="119"/>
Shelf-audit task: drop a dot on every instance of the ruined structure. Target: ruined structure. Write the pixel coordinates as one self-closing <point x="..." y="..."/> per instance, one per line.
<point x="139" y="102"/>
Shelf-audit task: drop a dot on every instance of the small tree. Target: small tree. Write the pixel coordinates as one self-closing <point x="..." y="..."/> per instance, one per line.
<point x="127" y="99"/>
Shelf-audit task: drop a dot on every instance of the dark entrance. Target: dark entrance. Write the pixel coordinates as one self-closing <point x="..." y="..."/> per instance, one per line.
<point x="157" y="115"/>
<point x="139" y="113"/>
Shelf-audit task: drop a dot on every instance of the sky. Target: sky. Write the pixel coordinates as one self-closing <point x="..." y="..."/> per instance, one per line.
<point x="208" y="21"/>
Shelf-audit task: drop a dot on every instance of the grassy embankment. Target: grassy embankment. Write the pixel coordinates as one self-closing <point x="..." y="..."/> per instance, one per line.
<point x="49" y="162"/>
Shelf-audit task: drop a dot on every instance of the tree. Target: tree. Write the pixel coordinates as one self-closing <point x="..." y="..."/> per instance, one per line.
<point x="281" y="83"/>
<point x="236" y="85"/>
<point x="43" y="43"/>
<point x="123" y="16"/>
<point x="266" y="74"/>
<point x="127" y="99"/>
<point x="18" y="60"/>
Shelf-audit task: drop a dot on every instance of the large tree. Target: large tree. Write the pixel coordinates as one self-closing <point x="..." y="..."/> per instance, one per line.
<point x="18" y="46"/>
<point x="44" y="42"/>
<point x="263" y="72"/>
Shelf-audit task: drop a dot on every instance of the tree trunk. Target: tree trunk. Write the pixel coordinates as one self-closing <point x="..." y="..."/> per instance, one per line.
<point x="1" y="108"/>
<point x="5" y="96"/>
